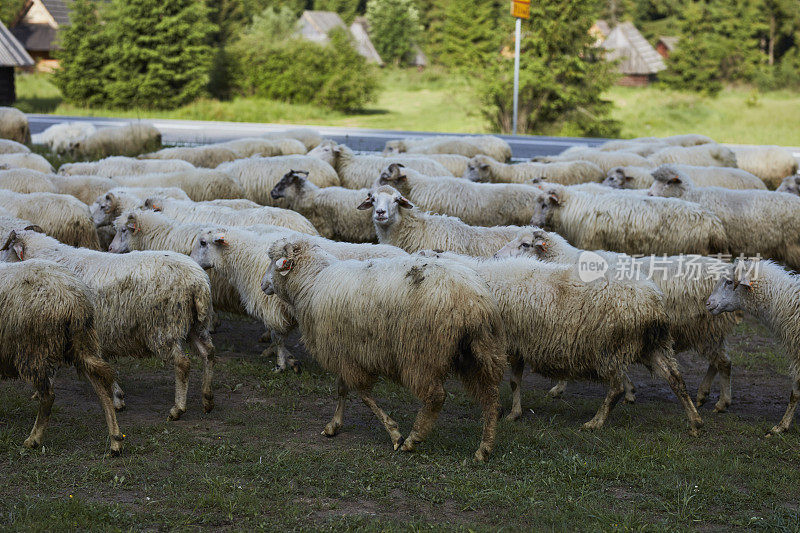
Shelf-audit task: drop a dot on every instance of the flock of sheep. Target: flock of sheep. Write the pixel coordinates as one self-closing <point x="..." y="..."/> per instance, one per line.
<point x="437" y="257"/>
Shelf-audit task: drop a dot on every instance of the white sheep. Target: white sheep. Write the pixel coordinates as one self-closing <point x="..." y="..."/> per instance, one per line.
<point x="25" y="160"/>
<point x="691" y="139"/>
<point x="772" y="295"/>
<point x="310" y="138"/>
<point x="59" y="137"/>
<point x="761" y="223"/>
<point x="14" y="125"/>
<point x="566" y="328"/>
<point x="685" y="280"/>
<point x="208" y="156"/>
<point x="149" y="304"/>
<point x="468" y="146"/>
<point x="84" y="188"/>
<point x="476" y="204"/>
<point x="629" y="223"/>
<point x="454" y="163"/>
<point x="109" y="205"/>
<point x="131" y="139"/>
<point x="24" y="180"/>
<point x="642" y="178"/>
<point x="399" y="223"/>
<point x="604" y="160"/>
<point x="411" y="320"/>
<point x="770" y="163"/>
<point x="261" y="147"/>
<point x="48" y="320"/>
<point x="484" y="168"/>
<point x="200" y="184"/>
<point x="330" y="209"/>
<point x="703" y="155"/>
<point x="258" y="176"/>
<point x="360" y="171"/>
<point x="61" y="216"/>
<point x="12" y="147"/>
<point x="790" y="184"/>
<point x="111" y="167"/>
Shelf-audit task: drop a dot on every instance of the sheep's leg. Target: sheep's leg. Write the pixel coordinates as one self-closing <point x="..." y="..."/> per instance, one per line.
<point x="517" y="369"/>
<point x="426" y="417"/>
<point x="338" y="416"/>
<point x="205" y="349"/>
<point x="666" y="366"/>
<point x="116" y="436"/>
<point x="615" y="391"/>
<point x="284" y="356"/>
<point x="705" y="386"/>
<point x="786" y="421"/>
<point x="630" y="389"/>
<point x="181" y="363"/>
<point x="489" y="398"/>
<point x="558" y="389"/>
<point x="46" y="397"/>
<point x="723" y="365"/>
<point x="391" y="426"/>
<point x="118" y="396"/>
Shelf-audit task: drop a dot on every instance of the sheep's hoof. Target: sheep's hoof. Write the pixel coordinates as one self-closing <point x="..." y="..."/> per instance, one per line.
<point x="116" y="451"/>
<point x="721" y="406"/>
<point x="31" y="443"/>
<point x="629" y="398"/>
<point x="277" y="369"/>
<point x="592" y="424"/>
<point x="481" y="455"/>
<point x="265" y="338"/>
<point x="331" y="429"/>
<point x="777" y="430"/>
<point x="397" y="441"/>
<point x="700" y="401"/>
<point x="208" y="404"/>
<point x="554" y="393"/>
<point x="408" y="445"/>
<point x="175" y="414"/>
<point x="296" y="367"/>
<point x="513" y="416"/>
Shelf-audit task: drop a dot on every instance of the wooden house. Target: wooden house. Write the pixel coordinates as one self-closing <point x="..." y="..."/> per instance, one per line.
<point x="12" y="55"/>
<point x="638" y="61"/>
<point x="36" y="27"/>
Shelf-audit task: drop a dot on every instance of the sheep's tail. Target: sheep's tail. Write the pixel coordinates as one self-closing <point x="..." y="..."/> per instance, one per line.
<point x="481" y="358"/>
<point x="84" y="354"/>
<point x="203" y="309"/>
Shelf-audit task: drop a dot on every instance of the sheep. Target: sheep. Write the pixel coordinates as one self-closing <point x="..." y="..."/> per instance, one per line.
<point x="9" y="222"/>
<point x="642" y="178"/>
<point x="791" y="185"/>
<point x="26" y="181"/>
<point x="131" y="139"/>
<point x="14" y="125"/>
<point x="468" y="146"/>
<point x="686" y="282"/>
<point x="399" y="223"/>
<point x="476" y="204"/>
<point x="761" y="223"/>
<point x="643" y="149"/>
<point x="25" y="160"/>
<point x="184" y="211"/>
<point x="111" y="167"/>
<point x="260" y="147"/>
<point x="12" y="147"/>
<point x="691" y="139"/>
<point x="703" y="155"/>
<point x="454" y="163"/>
<point x="484" y="168"/>
<point x="84" y="188"/>
<point x="603" y="160"/>
<point x="359" y="171"/>
<point x="772" y="295"/>
<point x="566" y="328"/>
<point x="59" y="137"/>
<point x="259" y="175"/>
<point x="113" y="202"/>
<point x="47" y="320"/>
<point x="770" y="163"/>
<point x="329" y="209"/>
<point x="61" y="216"/>
<point x="148" y="305"/>
<point x="200" y="184"/>
<point x="412" y="320"/>
<point x="628" y="223"/>
<point x="209" y="156"/>
<point x="310" y="138"/>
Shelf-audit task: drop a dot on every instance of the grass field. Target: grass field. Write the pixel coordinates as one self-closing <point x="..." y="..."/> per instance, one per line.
<point x="258" y="460"/>
<point x="436" y="101"/>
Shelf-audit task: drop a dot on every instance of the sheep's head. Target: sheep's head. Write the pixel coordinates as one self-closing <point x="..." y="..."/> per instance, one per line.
<point x="478" y="168"/>
<point x="386" y="203"/>
<point x="153" y="204"/>
<point x="103" y="209"/>
<point x="15" y="247"/>
<point x="734" y="287"/>
<point x="618" y="178"/>
<point x="284" y="256"/>
<point x="209" y="246"/>
<point x="669" y="182"/>
<point x="327" y="151"/>
<point x="125" y="226"/>
<point x="724" y="155"/>
<point x="394" y="147"/>
<point x="530" y="242"/>
<point x="395" y="176"/>
<point x="550" y="199"/>
<point x="290" y="185"/>
<point x="791" y="185"/>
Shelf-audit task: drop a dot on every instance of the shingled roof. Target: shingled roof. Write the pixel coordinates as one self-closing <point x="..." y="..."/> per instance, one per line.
<point x="635" y="54"/>
<point x="12" y="53"/>
<point x="59" y="10"/>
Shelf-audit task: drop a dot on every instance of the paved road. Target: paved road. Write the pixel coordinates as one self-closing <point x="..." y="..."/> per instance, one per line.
<point x="199" y="132"/>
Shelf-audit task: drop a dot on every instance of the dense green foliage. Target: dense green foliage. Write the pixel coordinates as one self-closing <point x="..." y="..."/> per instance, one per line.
<point x="347" y="9"/>
<point x="9" y="10"/>
<point x="467" y="34"/>
<point x="394" y="28"/>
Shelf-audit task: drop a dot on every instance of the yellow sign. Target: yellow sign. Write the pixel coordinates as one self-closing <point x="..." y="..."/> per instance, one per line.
<point x="521" y="9"/>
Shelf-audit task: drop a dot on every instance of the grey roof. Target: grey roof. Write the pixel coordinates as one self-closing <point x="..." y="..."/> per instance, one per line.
<point x="315" y="25"/>
<point x="669" y="42"/>
<point x="59" y="10"/>
<point x="635" y="54"/>
<point x="359" y="29"/>
<point x="603" y="26"/>
<point x="36" y="37"/>
<point x="12" y="53"/>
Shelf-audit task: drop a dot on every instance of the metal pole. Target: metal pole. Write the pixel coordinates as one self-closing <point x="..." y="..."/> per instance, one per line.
<point x="516" y="72"/>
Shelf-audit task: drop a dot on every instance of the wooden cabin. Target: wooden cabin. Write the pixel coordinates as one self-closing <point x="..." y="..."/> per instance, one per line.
<point x="12" y="56"/>
<point x="638" y="61"/>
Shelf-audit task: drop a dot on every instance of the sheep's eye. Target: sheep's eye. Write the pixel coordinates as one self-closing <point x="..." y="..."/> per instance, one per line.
<point x="203" y="243"/>
<point x="728" y="282"/>
<point x="526" y="245"/>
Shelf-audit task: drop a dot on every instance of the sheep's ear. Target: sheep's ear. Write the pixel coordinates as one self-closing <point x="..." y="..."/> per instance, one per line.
<point x="483" y="166"/>
<point x="11" y="237"/>
<point x="34" y="227"/>
<point x="403" y="202"/>
<point x="366" y="204"/>
<point x="13" y="244"/>
<point x="220" y="240"/>
<point x="540" y="244"/>
<point x="336" y="149"/>
<point x="554" y="198"/>
<point x="626" y="178"/>
<point x="131" y="223"/>
<point x="675" y="180"/>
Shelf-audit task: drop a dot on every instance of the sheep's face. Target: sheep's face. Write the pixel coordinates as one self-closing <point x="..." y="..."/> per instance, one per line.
<point x="732" y="289"/>
<point x="386" y="203"/>
<point x="102" y="210"/>
<point x="208" y="248"/>
<point x="394" y="176"/>
<point x="791" y="185"/>
<point x="282" y="256"/>
<point x="668" y="182"/>
<point x="328" y="151"/>
<point x="528" y="242"/>
<point x="13" y="251"/>
<point x="478" y="169"/>
<point x="290" y="186"/>
<point x="394" y="147"/>
<point x="544" y="206"/>
<point x="617" y="179"/>
<point x="125" y="229"/>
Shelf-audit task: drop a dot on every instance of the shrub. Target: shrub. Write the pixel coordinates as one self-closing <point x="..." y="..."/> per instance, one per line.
<point x="394" y="28"/>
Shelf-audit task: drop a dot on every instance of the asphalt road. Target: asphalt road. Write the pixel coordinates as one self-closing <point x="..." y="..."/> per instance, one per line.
<point x="200" y="132"/>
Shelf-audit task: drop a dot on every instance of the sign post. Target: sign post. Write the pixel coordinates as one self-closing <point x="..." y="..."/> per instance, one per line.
<point x="520" y="9"/>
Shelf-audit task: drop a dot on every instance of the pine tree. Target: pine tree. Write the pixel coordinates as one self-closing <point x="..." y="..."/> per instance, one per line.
<point x="159" y="53"/>
<point x="394" y="28"/>
<point x="468" y="32"/>
<point x="82" y="56"/>
<point x="347" y="9"/>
